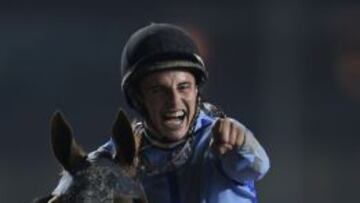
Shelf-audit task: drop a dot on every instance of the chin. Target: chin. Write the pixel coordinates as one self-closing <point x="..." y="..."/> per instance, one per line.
<point x="176" y="136"/>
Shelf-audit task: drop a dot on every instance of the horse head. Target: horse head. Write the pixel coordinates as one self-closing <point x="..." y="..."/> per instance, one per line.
<point x="95" y="177"/>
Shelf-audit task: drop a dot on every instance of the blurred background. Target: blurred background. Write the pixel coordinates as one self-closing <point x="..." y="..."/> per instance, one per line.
<point x="289" y="70"/>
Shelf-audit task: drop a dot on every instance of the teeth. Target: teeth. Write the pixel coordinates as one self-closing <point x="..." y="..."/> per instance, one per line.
<point x="175" y="114"/>
<point x="174" y="119"/>
<point x="173" y="123"/>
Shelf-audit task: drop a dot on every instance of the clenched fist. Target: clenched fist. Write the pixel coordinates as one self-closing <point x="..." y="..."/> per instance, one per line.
<point x="228" y="134"/>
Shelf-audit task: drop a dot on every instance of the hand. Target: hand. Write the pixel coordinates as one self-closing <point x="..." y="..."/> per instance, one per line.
<point x="228" y="134"/>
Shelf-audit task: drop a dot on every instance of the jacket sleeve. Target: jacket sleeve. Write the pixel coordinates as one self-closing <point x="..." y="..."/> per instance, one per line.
<point x="248" y="163"/>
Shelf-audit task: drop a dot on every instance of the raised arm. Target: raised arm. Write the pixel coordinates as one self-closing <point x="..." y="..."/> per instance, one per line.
<point x="241" y="156"/>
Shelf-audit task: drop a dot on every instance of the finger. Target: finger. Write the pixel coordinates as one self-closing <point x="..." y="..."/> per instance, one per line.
<point x="217" y="126"/>
<point x="233" y="133"/>
<point x="237" y="133"/>
<point x="241" y="136"/>
<point x="217" y="131"/>
<point x="240" y="139"/>
<point x="224" y="133"/>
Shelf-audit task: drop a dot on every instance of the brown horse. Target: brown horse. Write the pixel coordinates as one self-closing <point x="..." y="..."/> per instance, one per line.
<point x="95" y="177"/>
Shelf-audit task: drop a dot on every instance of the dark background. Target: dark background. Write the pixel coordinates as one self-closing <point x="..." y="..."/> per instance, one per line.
<point x="289" y="70"/>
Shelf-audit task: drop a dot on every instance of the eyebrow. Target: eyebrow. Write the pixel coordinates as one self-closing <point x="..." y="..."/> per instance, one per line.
<point x="185" y="82"/>
<point x="154" y="86"/>
<point x="151" y="86"/>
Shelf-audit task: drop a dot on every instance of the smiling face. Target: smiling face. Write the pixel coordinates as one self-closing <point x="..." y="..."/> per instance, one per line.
<point x="169" y="98"/>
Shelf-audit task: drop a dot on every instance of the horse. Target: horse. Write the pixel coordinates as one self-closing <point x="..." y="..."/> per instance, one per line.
<point x="95" y="177"/>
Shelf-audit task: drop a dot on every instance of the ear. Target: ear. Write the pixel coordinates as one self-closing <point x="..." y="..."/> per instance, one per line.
<point x="67" y="152"/>
<point x="123" y="139"/>
<point x="137" y="101"/>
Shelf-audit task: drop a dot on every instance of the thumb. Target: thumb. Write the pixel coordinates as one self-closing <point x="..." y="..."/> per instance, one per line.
<point x="222" y="148"/>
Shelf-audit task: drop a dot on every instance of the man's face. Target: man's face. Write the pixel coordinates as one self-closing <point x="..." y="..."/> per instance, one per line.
<point x="169" y="98"/>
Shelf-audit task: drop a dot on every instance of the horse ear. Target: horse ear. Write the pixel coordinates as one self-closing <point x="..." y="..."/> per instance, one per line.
<point x="124" y="141"/>
<point x="55" y="199"/>
<point x="48" y="199"/>
<point x="43" y="199"/>
<point x="67" y="152"/>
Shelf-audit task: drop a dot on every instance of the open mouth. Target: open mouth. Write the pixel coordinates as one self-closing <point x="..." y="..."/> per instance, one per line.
<point x="174" y="119"/>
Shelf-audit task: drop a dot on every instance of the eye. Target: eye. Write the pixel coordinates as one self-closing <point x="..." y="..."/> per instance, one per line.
<point x="184" y="86"/>
<point x="155" y="90"/>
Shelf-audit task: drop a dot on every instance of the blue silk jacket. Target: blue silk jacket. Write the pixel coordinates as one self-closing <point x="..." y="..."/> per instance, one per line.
<point x="203" y="176"/>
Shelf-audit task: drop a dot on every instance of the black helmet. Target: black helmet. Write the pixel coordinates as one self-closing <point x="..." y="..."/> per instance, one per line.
<point x="158" y="47"/>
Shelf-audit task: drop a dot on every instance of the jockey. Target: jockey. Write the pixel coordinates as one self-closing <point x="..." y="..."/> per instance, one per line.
<point x="190" y="152"/>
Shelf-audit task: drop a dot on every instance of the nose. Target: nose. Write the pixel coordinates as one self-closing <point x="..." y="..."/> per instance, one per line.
<point x="173" y="98"/>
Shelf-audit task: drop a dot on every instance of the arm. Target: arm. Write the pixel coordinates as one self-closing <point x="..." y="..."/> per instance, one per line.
<point x="241" y="156"/>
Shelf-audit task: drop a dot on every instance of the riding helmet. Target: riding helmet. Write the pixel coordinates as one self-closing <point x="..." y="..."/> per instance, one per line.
<point x="157" y="47"/>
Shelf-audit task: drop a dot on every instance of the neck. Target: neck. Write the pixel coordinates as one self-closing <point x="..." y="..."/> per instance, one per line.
<point x="162" y="142"/>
